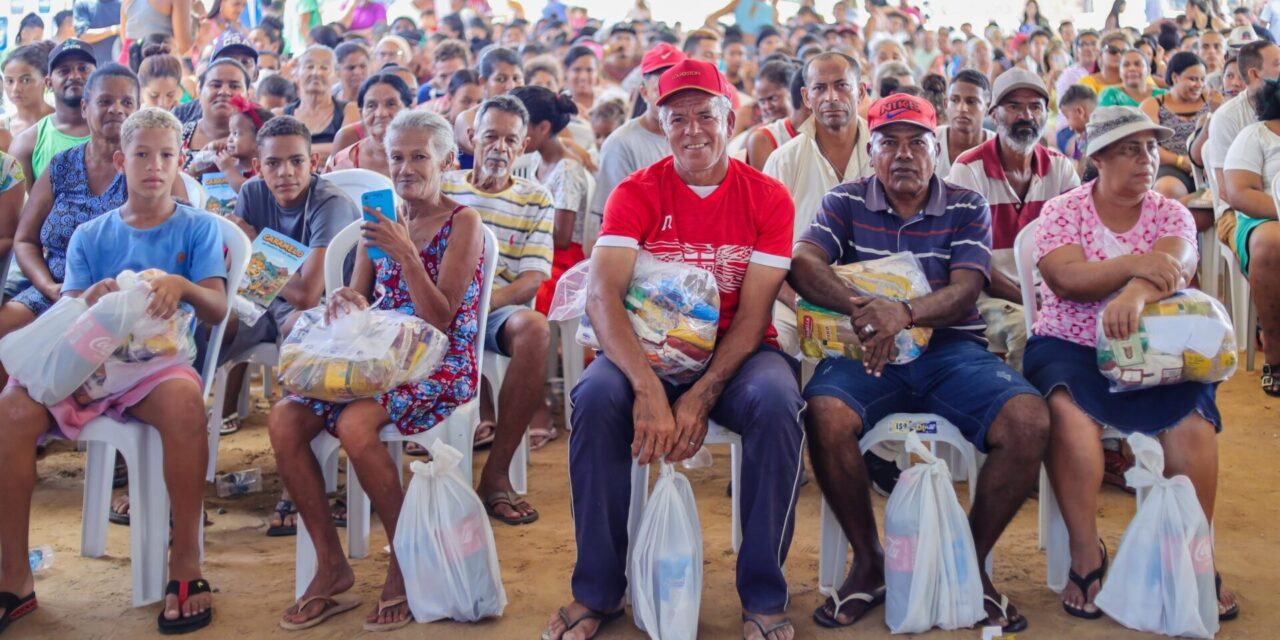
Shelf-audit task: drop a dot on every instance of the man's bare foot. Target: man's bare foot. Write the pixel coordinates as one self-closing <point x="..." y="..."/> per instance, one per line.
<point x="329" y="581"/>
<point x="120" y="509"/>
<point x="1228" y="605"/>
<point x="20" y="586"/>
<point x="577" y="622"/>
<point x="865" y="579"/>
<point x="767" y="627"/>
<point x="392" y="592"/>
<point x="501" y="510"/>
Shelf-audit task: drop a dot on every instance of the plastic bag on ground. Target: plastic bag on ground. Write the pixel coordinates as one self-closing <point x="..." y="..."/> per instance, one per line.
<point x="54" y="355"/>
<point x="674" y="310"/>
<point x="666" y="561"/>
<point x="359" y="354"/>
<point x="1186" y="337"/>
<point x="1162" y="578"/>
<point x="931" y="566"/>
<point x="445" y="546"/>
<point x="828" y="334"/>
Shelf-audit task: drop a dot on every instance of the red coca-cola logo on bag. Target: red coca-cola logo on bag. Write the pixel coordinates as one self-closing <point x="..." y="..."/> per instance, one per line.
<point x="90" y="340"/>
<point x="899" y="553"/>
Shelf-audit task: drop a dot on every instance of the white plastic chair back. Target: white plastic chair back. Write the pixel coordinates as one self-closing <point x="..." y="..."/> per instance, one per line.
<point x="335" y="256"/>
<point x="1024" y="259"/>
<point x="356" y="182"/>
<point x="196" y="193"/>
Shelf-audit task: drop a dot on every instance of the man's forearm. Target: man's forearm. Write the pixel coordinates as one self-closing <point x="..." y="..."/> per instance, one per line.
<point x="738" y="344"/>
<point x="519" y="292"/>
<point x="946" y="306"/>
<point x="618" y="340"/>
<point x="1004" y="288"/>
<point x="814" y="280"/>
<point x="93" y="36"/>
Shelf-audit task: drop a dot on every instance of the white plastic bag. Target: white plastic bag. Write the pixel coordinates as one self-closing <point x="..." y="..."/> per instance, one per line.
<point x="359" y="354"/>
<point x="445" y="546"/>
<point x="1162" y="579"/>
<point x="674" y="310"/>
<point x="66" y="345"/>
<point x="1185" y="337"/>
<point x="666" y="561"/>
<point x="931" y="566"/>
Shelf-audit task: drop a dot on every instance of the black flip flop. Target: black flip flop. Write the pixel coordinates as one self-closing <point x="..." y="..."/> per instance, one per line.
<point x="115" y="517"/>
<point x="832" y="620"/>
<point x="15" y="608"/>
<point x="184" y="591"/>
<point x="1083" y="584"/>
<point x="1233" y="611"/>
<point x="284" y="509"/>
<point x="591" y="614"/>
<point x="338" y="521"/>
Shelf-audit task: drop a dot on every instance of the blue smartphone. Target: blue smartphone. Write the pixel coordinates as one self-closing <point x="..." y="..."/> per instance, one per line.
<point x="384" y="202"/>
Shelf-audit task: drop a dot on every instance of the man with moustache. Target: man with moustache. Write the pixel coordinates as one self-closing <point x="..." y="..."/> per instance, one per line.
<point x="519" y="212"/>
<point x="70" y="65"/>
<point x="905" y="207"/>
<point x="829" y="149"/>
<point x="1017" y="175"/>
<point x="620" y="54"/>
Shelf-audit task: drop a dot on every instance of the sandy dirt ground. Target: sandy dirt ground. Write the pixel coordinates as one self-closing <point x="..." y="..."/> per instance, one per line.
<point x="253" y="574"/>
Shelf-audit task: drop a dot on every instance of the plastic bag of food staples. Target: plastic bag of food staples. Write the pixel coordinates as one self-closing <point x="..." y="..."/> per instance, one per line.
<point x="1186" y="337"/>
<point x="359" y="354"/>
<point x="154" y="345"/>
<point x="826" y="334"/>
<point x="674" y="310"/>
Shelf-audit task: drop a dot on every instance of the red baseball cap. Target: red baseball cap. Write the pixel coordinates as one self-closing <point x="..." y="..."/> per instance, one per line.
<point x="902" y="108"/>
<point x="696" y="75"/>
<point x="660" y="57"/>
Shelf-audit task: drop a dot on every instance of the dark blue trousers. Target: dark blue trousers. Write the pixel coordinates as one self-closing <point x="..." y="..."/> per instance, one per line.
<point x="762" y="404"/>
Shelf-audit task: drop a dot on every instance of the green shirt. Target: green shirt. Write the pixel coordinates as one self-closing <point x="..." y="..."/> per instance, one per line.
<point x="295" y="40"/>
<point x="50" y="142"/>
<point x="1116" y="97"/>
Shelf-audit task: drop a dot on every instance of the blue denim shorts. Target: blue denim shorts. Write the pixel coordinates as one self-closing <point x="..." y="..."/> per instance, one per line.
<point x="497" y="318"/>
<point x="957" y="379"/>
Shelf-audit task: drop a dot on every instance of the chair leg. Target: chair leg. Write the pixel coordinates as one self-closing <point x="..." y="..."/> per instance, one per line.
<point x="215" y="419"/>
<point x="304" y="560"/>
<point x="149" y="519"/>
<point x="242" y="403"/>
<point x="735" y="474"/>
<point x="357" y="515"/>
<point x="268" y="380"/>
<point x="833" y="552"/>
<point x="1057" y="545"/>
<point x="1251" y="344"/>
<point x="99" y="469"/>
<point x="519" y="470"/>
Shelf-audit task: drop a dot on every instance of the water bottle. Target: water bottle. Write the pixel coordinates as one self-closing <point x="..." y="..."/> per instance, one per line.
<point x="40" y="558"/>
<point x="239" y="483"/>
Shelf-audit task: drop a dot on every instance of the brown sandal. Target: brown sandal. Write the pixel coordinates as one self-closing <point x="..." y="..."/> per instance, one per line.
<point x="510" y="499"/>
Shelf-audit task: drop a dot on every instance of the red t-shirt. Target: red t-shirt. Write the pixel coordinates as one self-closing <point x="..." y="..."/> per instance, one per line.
<point x="748" y="218"/>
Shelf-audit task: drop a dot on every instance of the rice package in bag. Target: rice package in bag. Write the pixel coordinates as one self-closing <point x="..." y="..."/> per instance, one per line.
<point x="1186" y="337"/>
<point x="827" y="334"/>
<point x="360" y="354"/>
<point x="674" y="309"/>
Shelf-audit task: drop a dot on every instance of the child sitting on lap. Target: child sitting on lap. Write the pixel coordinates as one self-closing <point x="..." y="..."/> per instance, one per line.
<point x="149" y="231"/>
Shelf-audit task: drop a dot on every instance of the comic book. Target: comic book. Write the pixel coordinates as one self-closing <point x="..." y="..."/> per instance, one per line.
<point x="274" y="259"/>
<point x="222" y="198"/>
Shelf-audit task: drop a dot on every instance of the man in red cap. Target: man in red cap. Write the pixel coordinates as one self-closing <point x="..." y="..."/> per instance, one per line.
<point x="904" y="207"/>
<point x="639" y="142"/>
<point x="700" y="208"/>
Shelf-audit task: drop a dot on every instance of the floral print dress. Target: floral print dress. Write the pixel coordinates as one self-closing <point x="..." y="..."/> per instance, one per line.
<point x="419" y="406"/>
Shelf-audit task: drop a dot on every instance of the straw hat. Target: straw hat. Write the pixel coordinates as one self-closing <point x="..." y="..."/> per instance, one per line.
<point x="1109" y="125"/>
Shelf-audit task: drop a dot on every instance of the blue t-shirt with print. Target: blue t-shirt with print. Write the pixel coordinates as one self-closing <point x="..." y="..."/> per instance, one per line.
<point x="188" y="244"/>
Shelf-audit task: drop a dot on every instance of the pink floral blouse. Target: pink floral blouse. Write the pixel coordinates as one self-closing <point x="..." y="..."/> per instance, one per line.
<point x="1072" y="219"/>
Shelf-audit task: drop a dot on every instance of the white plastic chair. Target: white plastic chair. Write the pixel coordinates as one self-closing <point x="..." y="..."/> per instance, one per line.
<point x="196" y="193"/>
<point x="716" y="434"/>
<point x="1052" y="535"/>
<point x="141" y="448"/>
<point x="833" y="553"/>
<point x="1216" y="256"/>
<point x="457" y="431"/>
<point x="572" y="357"/>
<point x="356" y="182"/>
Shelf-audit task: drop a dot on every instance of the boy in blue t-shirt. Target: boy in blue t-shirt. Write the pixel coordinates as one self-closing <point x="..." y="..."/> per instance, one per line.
<point x="149" y="231"/>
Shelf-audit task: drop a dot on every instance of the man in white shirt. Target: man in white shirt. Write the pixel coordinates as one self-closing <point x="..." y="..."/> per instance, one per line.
<point x="967" y="100"/>
<point x="831" y="148"/>
<point x="1258" y="61"/>
<point x="1016" y="175"/>
<point x="639" y="142"/>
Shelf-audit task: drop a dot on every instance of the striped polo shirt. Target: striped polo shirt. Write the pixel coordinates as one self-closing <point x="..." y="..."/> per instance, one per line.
<point x="520" y="216"/>
<point x="953" y="231"/>
<point x="980" y="169"/>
